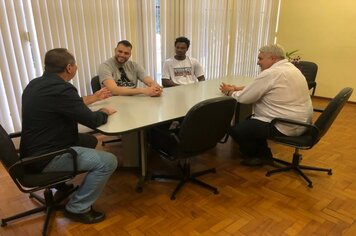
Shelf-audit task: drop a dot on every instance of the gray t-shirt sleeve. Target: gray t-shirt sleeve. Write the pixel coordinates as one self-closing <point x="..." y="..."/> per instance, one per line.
<point x="105" y="72"/>
<point x="141" y="73"/>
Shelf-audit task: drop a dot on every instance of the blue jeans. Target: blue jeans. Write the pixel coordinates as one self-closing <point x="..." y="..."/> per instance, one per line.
<point x="99" y="165"/>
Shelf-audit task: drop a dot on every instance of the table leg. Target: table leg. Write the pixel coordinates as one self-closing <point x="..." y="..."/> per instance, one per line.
<point x="143" y="162"/>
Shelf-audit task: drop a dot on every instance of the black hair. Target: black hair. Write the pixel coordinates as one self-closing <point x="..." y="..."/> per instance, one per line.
<point x="57" y="59"/>
<point x="125" y="43"/>
<point x="182" y="40"/>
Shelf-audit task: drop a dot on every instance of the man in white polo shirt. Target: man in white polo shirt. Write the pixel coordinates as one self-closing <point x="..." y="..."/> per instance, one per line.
<point x="280" y="90"/>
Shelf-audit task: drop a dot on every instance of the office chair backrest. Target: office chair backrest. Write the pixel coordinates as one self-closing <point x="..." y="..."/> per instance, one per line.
<point x="309" y="70"/>
<point x="8" y="153"/>
<point x="330" y="113"/>
<point x="95" y="84"/>
<point x="205" y="125"/>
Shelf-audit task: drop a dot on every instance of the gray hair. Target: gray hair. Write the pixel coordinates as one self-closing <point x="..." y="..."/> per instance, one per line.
<point x="274" y="49"/>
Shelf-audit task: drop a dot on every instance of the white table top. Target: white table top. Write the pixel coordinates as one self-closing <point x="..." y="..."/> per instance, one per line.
<point x="136" y="112"/>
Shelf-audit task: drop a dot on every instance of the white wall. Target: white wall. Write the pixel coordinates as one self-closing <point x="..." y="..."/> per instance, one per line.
<point x="324" y="31"/>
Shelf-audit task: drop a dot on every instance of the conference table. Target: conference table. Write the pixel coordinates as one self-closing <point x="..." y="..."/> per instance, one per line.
<point x="140" y="112"/>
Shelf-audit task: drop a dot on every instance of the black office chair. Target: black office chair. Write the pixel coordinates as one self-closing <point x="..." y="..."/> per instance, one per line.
<point x="311" y="136"/>
<point x="33" y="182"/>
<point x="203" y="127"/>
<point x="95" y="86"/>
<point x="309" y="70"/>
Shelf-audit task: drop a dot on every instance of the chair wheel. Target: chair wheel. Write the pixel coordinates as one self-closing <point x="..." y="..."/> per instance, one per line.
<point x="310" y="185"/>
<point x="268" y="174"/>
<point x="139" y="189"/>
<point x="216" y="192"/>
<point x="173" y="198"/>
<point x="330" y="172"/>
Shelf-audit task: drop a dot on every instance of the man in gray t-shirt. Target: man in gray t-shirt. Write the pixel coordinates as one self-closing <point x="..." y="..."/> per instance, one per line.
<point x="120" y="75"/>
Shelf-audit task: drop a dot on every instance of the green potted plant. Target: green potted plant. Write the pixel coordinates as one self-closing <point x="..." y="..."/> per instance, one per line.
<point x="293" y="57"/>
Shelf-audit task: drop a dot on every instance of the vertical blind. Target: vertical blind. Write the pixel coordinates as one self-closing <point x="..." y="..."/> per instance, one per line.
<point x="90" y="29"/>
<point x="15" y="64"/>
<point x="255" y="27"/>
<point x="225" y="37"/>
<point x="225" y="34"/>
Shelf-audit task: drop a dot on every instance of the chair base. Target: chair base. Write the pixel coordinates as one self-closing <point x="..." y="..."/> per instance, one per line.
<point x="47" y="204"/>
<point x="187" y="177"/>
<point x="295" y="165"/>
<point x="318" y="110"/>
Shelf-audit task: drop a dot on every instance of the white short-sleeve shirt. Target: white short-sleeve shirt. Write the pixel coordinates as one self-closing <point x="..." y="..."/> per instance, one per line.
<point x="280" y="91"/>
<point x="184" y="71"/>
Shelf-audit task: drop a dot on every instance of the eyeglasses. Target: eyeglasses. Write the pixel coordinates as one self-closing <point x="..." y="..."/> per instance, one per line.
<point x="124" y="81"/>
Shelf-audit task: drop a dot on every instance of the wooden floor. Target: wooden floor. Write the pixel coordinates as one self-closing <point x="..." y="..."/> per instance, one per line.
<point x="249" y="203"/>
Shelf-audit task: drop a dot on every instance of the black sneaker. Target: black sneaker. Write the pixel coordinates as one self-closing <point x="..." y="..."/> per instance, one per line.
<point x="255" y="161"/>
<point x="90" y="217"/>
<point x="63" y="191"/>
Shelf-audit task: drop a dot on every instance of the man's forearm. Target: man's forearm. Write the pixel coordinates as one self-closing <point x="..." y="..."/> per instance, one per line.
<point x="148" y="81"/>
<point x="123" y="91"/>
<point x="168" y="83"/>
<point x="201" y="78"/>
<point x="89" y="99"/>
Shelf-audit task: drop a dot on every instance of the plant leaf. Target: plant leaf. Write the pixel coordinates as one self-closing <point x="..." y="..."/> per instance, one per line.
<point x="289" y="54"/>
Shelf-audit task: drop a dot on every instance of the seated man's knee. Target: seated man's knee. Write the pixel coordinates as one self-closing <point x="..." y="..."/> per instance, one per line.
<point x="235" y="133"/>
<point x="109" y="161"/>
<point x="112" y="164"/>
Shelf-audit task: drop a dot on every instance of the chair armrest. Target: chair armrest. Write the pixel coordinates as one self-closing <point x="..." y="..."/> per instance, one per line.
<point x="175" y="136"/>
<point x="29" y="160"/>
<point x="225" y="138"/>
<point x="311" y="129"/>
<point x="163" y="141"/>
<point x="161" y="150"/>
<point x="15" y="135"/>
<point x="292" y="122"/>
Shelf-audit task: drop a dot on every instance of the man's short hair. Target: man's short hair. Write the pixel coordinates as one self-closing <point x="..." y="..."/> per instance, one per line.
<point x="274" y="49"/>
<point x="126" y="43"/>
<point x="57" y="59"/>
<point x="182" y="40"/>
